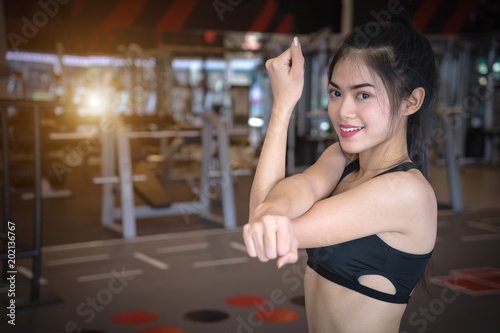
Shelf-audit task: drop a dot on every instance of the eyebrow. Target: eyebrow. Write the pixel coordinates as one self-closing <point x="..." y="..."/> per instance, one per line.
<point x="356" y="86"/>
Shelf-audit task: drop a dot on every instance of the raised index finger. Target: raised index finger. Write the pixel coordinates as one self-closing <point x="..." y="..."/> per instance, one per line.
<point x="297" y="58"/>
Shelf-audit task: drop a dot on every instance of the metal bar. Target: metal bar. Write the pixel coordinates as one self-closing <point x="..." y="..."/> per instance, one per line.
<point x="126" y="187"/>
<point x="6" y="186"/>
<point x="206" y="146"/>
<point x="452" y="168"/>
<point x="489" y="107"/>
<point x="116" y="179"/>
<point x="164" y="134"/>
<point x="182" y="134"/>
<point x="29" y="103"/>
<point x="347" y="16"/>
<point x="179" y="208"/>
<point x="35" y="283"/>
<point x="226" y="181"/>
<point x="23" y="254"/>
<point x="107" y="171"/>
<point x="73" y="135"/>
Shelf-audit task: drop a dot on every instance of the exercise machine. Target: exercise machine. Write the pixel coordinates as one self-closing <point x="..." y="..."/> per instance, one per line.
<point x="160" y="202"/>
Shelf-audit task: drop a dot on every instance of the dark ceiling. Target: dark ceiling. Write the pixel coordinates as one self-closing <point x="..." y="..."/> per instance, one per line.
<point x="98" y="26"/>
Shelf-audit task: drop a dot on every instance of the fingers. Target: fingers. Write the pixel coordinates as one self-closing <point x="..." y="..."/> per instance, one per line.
<point x="280" y="63"/>
<point x="284" y="240"/>
<point x="289" y="258"/>
<point x="291" y="58"/>
<point x="254" y="237"/>
<point x="271" y="238"/>
<point x="296" y="57"/>
<point x="252" y="252"/>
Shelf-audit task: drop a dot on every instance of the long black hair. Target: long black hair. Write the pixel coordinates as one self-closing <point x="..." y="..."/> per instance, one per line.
<point x="404" y="60"/>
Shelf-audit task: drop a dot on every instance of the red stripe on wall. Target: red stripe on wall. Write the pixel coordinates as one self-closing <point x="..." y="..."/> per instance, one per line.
<point x="176" y="16"/>
<point x="424" y="13"/>
<point x="264" y="18"/>
<point x="124" y="13"/>
<point x="457" y="20"/>
<point x="286" y="25"/>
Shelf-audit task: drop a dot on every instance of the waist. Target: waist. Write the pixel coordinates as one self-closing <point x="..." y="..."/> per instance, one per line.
<point x="332" y="307"/>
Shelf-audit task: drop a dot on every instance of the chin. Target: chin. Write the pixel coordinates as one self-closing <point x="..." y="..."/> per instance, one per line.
<point x="350" y="148"/>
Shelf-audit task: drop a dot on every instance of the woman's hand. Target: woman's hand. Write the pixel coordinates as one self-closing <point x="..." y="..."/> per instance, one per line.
<point x="286" y="73"/>
<point x="270" y="235"/>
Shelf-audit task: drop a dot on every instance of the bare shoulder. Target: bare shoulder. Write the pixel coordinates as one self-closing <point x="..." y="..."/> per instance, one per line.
<point x="416" y="199"/>
<point x="411" y="190"/>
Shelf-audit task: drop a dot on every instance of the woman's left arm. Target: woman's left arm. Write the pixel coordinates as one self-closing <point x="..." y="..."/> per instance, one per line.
<point x="398" y="202"/>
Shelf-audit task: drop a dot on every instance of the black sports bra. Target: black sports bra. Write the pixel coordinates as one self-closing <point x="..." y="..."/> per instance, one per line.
<point x="345" y="263"/>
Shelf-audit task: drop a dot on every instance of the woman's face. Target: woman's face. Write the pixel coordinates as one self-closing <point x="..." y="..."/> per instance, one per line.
<point x="358" y="106"/>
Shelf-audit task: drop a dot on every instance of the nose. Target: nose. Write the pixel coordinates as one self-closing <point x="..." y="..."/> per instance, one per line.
<point x="346" y="108"/>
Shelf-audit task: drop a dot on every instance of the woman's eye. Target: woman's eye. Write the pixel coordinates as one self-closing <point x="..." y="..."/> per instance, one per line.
<point x="334" y="93"/>
<point x="363" y="96"/>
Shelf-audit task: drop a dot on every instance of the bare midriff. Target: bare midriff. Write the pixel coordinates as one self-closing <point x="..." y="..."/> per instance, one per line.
<point x="332" y="308"/>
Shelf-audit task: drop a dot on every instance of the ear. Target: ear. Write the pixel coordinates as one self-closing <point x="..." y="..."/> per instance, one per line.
<point x="413" y="103"/>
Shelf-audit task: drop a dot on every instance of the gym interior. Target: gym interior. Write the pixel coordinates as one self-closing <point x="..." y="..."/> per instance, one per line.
<point x="130" y="133"/>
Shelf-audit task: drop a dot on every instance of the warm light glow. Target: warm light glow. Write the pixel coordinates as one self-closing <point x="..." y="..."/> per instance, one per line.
<point x="94" y="104"/>
<point x="94" y="100"/>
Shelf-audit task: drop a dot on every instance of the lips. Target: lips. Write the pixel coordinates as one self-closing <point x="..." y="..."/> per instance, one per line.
<point x="349" y="130"/>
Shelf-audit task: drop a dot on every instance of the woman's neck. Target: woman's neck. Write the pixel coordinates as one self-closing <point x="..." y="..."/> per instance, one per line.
<point x="383" y="156"/>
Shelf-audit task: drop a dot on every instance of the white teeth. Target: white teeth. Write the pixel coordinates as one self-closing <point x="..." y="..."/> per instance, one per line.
<point x="351" y="129"/>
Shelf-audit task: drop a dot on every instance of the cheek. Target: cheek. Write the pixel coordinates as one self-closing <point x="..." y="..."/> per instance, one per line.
<point x="375" y="115"/>
<point x="333" y="111"/>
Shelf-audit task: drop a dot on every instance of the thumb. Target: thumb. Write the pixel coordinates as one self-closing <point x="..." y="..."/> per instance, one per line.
<point x="289" y="258"/>
<point x="296" y="55"/>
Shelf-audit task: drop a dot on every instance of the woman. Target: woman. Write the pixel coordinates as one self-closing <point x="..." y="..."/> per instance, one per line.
<point x="365" y="210"/>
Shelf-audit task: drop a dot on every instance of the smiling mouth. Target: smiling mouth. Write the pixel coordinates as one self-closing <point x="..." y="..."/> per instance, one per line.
<point x="351" y="129"/>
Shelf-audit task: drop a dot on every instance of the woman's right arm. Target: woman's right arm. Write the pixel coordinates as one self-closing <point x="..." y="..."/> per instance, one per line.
<point x="270" y="232"/>
<point x="295" y="195"/>
<point x="286" y="73"/>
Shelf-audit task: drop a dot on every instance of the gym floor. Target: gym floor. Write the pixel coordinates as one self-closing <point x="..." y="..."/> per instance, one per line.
<point x="185" y="275"/>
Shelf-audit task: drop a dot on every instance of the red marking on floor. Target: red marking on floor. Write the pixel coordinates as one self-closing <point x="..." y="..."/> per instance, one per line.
<point x="488" y="275"/>
<point x="134" y="318"/>
<point x="493" y="278"/>
<point x="476" y="272"/>
<point x="468" y="284"/>
<point x="246" y="301"/>
<point x="163" y="329"/>
<point x="474" y="281"/>
<point x="277" y="316"/>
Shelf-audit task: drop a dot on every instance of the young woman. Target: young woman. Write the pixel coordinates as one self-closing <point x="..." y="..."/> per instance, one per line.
<point x="365" y="210"/>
